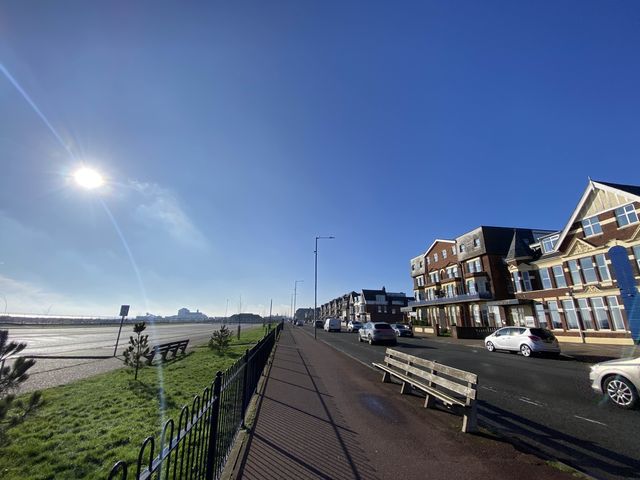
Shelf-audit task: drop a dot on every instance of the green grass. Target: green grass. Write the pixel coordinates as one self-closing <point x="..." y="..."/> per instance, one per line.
<point x="85" y="427"/>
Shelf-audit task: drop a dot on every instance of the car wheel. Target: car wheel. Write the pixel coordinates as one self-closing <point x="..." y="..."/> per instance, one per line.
<point x="491" y="347"/>
<point x="525" y="350"/>
<point x="621" y="392"/>
<point x="370" y="340"/>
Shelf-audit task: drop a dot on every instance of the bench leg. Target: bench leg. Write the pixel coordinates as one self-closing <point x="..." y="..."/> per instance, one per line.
<point x="428" y="401"/>
<point x="406" y="388"/>
<point x="470" y="420"/>
<point x="386" y="377"/>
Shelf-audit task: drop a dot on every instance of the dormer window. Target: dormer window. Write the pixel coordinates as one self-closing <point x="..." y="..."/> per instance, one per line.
<point x="461" y="247"/>
<point x="444" y="253"/>
<point x="549" y="243"/>
<point x="435" y="257"/>
<point x="626" y="215"/>
<point x="453" y="250"/>
<point x="591" y="226"/>
<point x="476" y="242"/>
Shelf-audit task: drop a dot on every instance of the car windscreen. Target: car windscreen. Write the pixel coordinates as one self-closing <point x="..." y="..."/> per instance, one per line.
<point x="382" y="326"/>
<point x="542" y="333"/>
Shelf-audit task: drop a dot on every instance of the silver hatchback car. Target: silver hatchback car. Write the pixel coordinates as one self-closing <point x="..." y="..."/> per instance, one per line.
<point x="374" y="332"/>
<point x="524" y="340"/>
<point x="618" y="380"/>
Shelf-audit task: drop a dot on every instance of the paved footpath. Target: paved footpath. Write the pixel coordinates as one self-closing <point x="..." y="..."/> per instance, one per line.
<point x="322" y="415"/>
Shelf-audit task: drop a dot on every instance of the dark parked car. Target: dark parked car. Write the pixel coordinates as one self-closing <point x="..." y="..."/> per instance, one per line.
<point x="319" y="324"/>
<point x="402" y="329"/>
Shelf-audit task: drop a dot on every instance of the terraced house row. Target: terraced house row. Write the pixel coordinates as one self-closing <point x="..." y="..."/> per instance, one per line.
<point x="581" y="281"/>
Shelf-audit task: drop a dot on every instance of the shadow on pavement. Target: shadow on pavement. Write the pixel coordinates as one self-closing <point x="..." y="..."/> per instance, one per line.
<point x="304" y="435"/>
<point x="579" y="453"/>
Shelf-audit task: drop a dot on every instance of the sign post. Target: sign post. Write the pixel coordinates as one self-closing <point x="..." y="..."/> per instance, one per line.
<point x="124" y="311"/>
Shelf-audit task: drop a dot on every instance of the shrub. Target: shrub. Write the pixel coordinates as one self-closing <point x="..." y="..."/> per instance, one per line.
<point x="13" y="411"/>
<point x="220" y="339"/>
<point x="138" y="348"/>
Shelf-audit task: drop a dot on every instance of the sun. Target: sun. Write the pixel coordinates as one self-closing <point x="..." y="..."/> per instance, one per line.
<point x="88" y="178"/>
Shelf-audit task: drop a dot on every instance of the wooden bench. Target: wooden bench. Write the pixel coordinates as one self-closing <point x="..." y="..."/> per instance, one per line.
<point x="165" y="348"/>
<point x="453" y="387"/>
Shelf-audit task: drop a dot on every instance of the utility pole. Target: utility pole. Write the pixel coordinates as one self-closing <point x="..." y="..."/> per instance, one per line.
<point x="315" y="288"/>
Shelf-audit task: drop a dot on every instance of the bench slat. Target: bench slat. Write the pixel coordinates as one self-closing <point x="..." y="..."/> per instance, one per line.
<point x="440" y="381"/>
<point x="454" y="372"/>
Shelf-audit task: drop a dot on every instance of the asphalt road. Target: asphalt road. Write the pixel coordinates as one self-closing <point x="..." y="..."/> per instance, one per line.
<point x="65" y="354"/>
<point x="544" y="403"/>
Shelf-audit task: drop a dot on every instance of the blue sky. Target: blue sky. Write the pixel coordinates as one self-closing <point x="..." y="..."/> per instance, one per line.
<point x="233" y="133"/>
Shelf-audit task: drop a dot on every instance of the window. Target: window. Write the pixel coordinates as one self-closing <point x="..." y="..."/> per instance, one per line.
<point x="420" y="281"/>
<point x="570" y="314"/>
<point x="474" y="266"/>
<point x="476" y="242"/>
<point x="453" y="250"/>
<point x="554" y="314"/>
<point x="585" y="313"/>
<point x="461" y="247"/>
<point x="434" y="277"/>
<point x="444" y="253"/>
<point x="435" y="257"/>
<point x="558" y="274"/>
<point x="575" y="273"/>
<point x="586" y="264"/>
<point x="636" y="253"/>
<point x="626" y="215"/>
<point x="527" y="281"/>
<point x="616" y="314"/>
<point x="413" y="267"/>
<point x="379" y="308"/>
<point x="600" y="311"/>
<point x="517" y="285"/>
<point x="421" y="264"/>
<point x="549" y="243"/>
<point x="591" y="226"/>
<point x="542" y="319"/>
<point x="428" y="261"/>
<point x="603" y="270"/>
<point x="451" y="292"/>
<point x="471" y="287"/>
<point x="546" y="279"/>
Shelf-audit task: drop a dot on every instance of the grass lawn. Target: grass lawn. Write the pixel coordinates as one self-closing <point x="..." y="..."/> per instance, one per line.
<point x="85" y="427"/>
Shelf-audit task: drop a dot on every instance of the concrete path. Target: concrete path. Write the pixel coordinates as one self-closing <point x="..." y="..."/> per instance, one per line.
<point x="322" y="415"/>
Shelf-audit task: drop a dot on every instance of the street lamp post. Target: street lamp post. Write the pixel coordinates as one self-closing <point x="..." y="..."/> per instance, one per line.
<point x="295" y="294"/>
<point x="315" y="288"/>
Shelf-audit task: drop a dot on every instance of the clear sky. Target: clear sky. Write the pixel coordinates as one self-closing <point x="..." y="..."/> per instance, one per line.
<point x="232" y="133"/>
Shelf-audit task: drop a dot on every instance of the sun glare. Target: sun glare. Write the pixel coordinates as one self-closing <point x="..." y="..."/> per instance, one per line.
<point x="88" y="178"/>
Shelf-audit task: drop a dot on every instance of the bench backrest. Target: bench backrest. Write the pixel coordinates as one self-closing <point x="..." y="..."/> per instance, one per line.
<point x="457" y="382"/>
<point x="168" y="346"/>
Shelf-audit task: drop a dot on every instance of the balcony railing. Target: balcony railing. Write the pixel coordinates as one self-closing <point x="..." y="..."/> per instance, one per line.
<point x="469" y="297"/>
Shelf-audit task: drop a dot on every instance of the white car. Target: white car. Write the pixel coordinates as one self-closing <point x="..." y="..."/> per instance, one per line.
<point x="618" y="380"/>
<point x="354" y="326"/>
<point x="524" y="340"/>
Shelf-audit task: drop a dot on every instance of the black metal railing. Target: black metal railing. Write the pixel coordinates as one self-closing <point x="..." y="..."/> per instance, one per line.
<point x="198" y="446"/>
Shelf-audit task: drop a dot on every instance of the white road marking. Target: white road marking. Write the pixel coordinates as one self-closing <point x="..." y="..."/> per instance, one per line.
<point x="529" y="401"/>
<point x="589" y="420"/>
<point x="488" y="388"/>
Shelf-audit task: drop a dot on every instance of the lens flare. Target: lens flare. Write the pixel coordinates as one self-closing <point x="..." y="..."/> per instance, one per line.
<point x="88" y="178"/>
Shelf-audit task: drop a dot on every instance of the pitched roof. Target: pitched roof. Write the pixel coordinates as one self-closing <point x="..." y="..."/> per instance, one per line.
<point x="519" y="246"/>
<point x="630" y="190"/>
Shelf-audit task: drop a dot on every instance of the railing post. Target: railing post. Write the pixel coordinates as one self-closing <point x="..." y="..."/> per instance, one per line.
<point x="245" y="378"/>
<point x="213" y="426"/>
